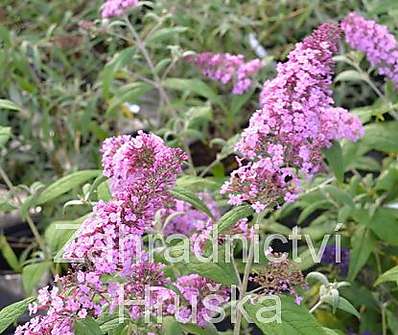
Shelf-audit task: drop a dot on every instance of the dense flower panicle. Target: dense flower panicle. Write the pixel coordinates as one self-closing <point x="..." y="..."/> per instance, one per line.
<point x="200" y="294"/>
<point x="113" y="8"/>
<point x="109" y="239"/>
<point x="296" y="121"/>
<point x="108" y="150"/>
<point x="145" y="283"/>
<point x="73" y="300"/>
<point x="261" y="184"/>
<point x="227" y="68"/>
<point x="142" y="169"/>
<point x="379" y="45"/>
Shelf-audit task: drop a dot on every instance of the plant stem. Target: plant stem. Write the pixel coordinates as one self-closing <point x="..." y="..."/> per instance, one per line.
<point x="244" y="282"/>
<point x="142" y="48"/>
<point x="319" y="303"/>
<point x="243" y="287"/>
<point x="158" y="84"/>
<point x="383" y="319"/>
<point x="29" y="220"/>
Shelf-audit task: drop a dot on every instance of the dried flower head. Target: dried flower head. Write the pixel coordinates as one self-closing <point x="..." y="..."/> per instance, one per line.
<point x="280" y="276"/>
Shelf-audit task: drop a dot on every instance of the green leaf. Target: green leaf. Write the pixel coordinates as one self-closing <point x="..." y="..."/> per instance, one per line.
<point x="110" y="69"/>
<point x="238" y="101"/>
<point x="388" y="179"/>
<point x="310" y="208"/>
<point x="382" y="136"/>
<point x="5" y="134"/>
<point x="164" y="33"/>
<point x="135" y="91"/>
<point x="340" y="196"/>
<point x="196" y="330"/>
<point x="362" y="244"/>
<point x="9" y="254"/>
<point x="350" y="75"/>
<point x="221" y="272"/>
<point x="392" y="320"/>
<point x="390" y="275"/>
<point x="64" y="185"/>
<point x="329" y="331"/>
<point x="8" y="104"/>
<point x="233" y="216"/>
<point x="196" y="86"/>
<point x="385" y="225"/>
<point x="295" y="319"/>
<point x="57" y="238"/>
<point x="87" y="326"/>
<point x="345" y="305"/>
<point x="192" y="199"/>
<point x="171" y="326"/>
<point x="32" y="274"/>
<point x="196" y="183"/>
<point x="334" y="156"/>
<point x="11" y="313"/>
<point x="103" y="191"/>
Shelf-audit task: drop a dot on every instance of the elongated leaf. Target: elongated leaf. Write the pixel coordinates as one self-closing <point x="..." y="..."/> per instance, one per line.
<point x="132" y="95"/>
<point x="64" y="185"/>
<point x="382" y="136"/>
<point x="194" y="85"/>
<point x="311" y="208"/>
<point x="8" y="104"/>
<point x="118" y="61"/>
<point x="191" y="198"/>
<point x="295" y="319"/>
<point x="195" y="183"/>
<point x="5" y="133"/>
<point x="385" y="225"/>
<point x="32" y="274"/>
<point x="238" y="101"/>
<point x="164" y="33"/>
<point x="103" y="191"/>
<point x="171" y="326"/>
<point x="334" y="156"/>
<point x="194" y="329"/>
<point x="349" y="75"/>
<point x="340" y="196"/>
<point x="9" y="254"/>
<point x="87" y="326"/>
<point x="233" y="216"/>
<point x="329" y="331"/>
<point x="362" y="243"/>
<point x="221" y="271"/>
<point x="390" y="275"/>
<point x="392" y="322"/>
<point x="346" y="306"/>
<point x="57" y="238"/>
<point x="11" y="313"/>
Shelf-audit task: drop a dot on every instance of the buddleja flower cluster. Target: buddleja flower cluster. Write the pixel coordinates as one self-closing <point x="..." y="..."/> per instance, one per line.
<point x="296" y="121"/>
<point x="141" y="171"/>
<point x="379" y="45"/>
<point x="227" y="68"/>
<point x="113" y="8"/>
